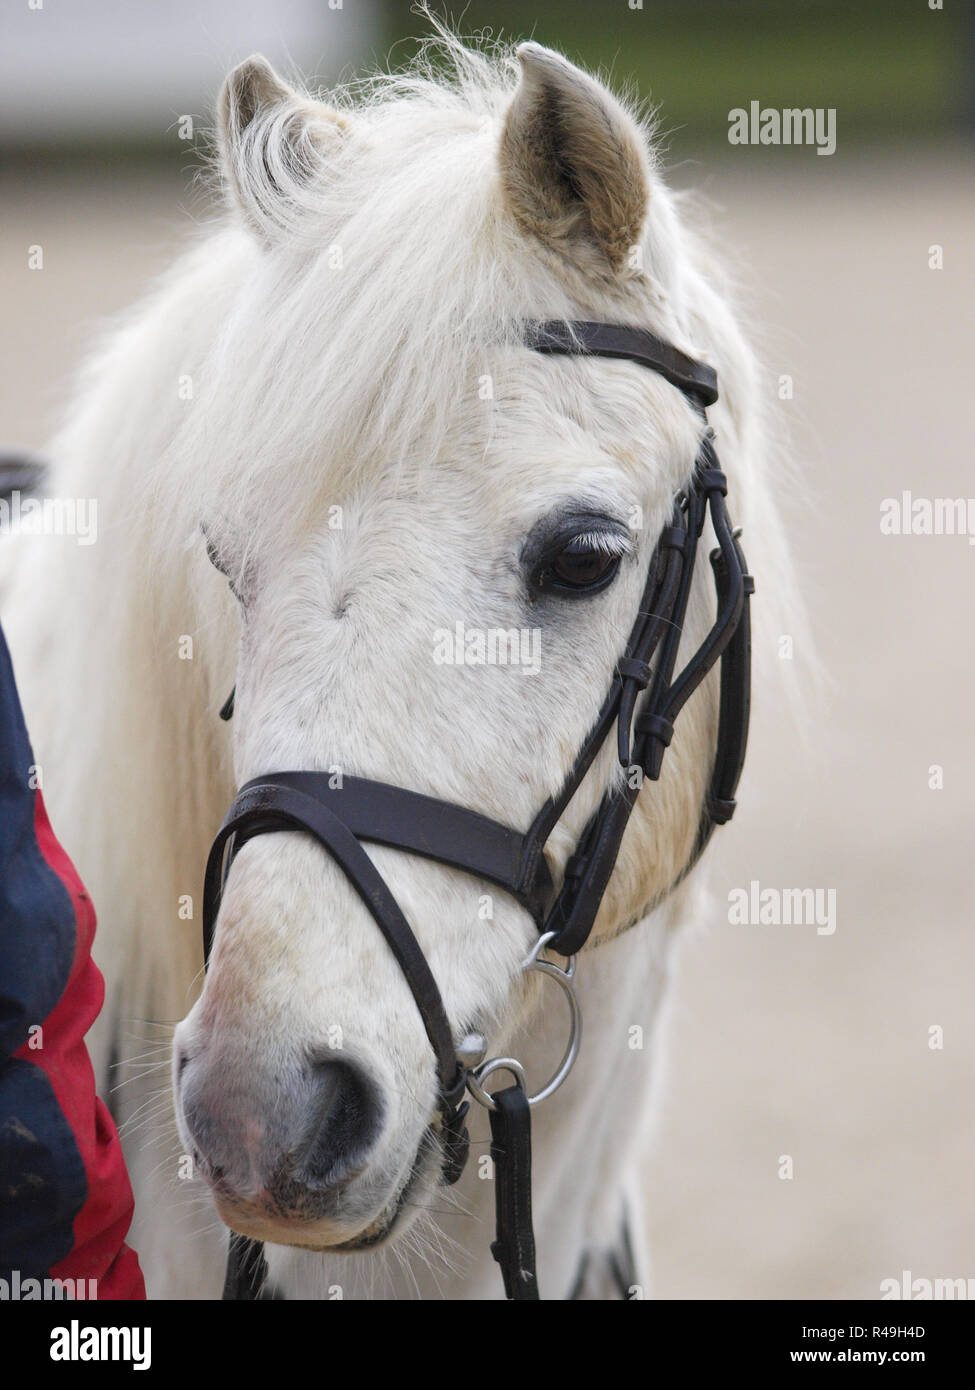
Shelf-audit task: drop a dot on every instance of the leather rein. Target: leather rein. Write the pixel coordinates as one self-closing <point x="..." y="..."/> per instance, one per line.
<point x="340" y="818"/>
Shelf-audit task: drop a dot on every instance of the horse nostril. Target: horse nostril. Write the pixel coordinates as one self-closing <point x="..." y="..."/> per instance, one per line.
<point x="347" y="1120"/>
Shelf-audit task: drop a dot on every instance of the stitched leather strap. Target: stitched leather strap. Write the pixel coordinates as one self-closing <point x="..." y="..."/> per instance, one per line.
<point x="586" y="880"/>
<point x="733" y="719"/>
<point x="262" y="808"/>
<point x="386" y="815"/>
<point x="511" y="1151"/>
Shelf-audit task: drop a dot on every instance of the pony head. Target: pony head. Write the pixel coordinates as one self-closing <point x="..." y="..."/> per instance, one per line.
<point x="436" y="542"/>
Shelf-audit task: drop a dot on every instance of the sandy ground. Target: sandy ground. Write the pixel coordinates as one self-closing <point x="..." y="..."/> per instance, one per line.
<point x="784" y="1041"/>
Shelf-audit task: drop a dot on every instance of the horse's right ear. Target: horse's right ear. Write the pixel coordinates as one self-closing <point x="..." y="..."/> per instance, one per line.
<point x="274" y="144"/>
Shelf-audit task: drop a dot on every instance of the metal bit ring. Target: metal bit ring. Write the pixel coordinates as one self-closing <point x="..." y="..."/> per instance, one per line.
<point x="564" y="978"/>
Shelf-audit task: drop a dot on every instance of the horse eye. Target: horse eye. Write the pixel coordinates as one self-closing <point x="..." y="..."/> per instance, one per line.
<point x="579" y="567"/>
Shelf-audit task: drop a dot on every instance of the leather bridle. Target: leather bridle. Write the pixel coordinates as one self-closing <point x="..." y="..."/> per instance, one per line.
<point x="341" y="817"/>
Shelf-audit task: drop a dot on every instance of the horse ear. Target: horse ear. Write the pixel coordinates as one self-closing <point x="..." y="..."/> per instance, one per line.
<point x="574" y="165"/>
<point x="273" y="142"/>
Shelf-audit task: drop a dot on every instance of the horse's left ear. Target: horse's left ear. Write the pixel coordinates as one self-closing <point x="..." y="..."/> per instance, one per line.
<point x="274" y="141"/>
<point x="574" y="166"/>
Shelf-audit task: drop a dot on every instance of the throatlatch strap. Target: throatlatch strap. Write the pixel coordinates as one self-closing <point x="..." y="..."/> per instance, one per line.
<point x="511" y="1152"/>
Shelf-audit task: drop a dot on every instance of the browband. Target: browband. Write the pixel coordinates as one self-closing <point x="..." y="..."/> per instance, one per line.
<point x="582" y="337"/>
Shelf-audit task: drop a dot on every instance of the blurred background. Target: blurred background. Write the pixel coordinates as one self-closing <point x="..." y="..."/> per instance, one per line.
<point x="784" y="1042"/>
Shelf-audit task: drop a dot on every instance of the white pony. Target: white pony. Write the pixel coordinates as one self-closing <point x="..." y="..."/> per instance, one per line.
<point x="331" y="395"/>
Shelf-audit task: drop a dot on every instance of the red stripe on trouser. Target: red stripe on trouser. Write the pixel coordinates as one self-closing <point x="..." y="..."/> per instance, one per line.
<point x="99" y="1251"/>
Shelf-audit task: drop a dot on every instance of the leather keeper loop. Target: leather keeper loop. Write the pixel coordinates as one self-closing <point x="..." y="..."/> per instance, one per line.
<point x="451" y="1096"/>
<point x="712" y="480"/>
<point x="720" y="811"/>
<point x="672" y="538"/>
<point x="657" y="727"/>
<point x="631" y="668"/>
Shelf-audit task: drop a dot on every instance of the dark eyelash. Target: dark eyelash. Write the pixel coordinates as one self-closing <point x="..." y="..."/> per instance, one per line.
<point x="218" y="563"/>
<point x="213" y="555"/>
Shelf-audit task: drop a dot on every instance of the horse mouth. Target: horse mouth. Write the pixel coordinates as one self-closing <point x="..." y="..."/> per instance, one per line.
<point x="380" y="1230"/>
<point x="384" y="1229"/>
